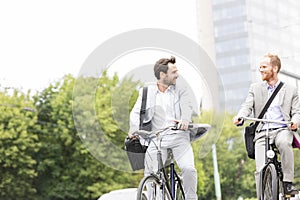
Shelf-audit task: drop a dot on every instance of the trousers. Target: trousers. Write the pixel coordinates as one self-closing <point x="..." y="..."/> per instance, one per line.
<point x="283" y="139"/>
<point x="183" y="154"/>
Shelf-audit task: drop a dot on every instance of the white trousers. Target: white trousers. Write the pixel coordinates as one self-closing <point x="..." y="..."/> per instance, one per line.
<point x="184" y="157"/>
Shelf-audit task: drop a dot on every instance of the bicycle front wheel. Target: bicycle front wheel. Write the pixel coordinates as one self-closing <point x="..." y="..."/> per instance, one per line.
<point x="151" y="189"/>
<point x="270" y="183"/>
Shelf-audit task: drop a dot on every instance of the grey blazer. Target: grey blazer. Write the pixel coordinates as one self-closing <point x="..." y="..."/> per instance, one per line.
<point x="258" y="96"/>
<point x="182" y="105"/>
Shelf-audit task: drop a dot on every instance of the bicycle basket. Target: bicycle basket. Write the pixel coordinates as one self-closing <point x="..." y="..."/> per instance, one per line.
<point x="135" y="152"/>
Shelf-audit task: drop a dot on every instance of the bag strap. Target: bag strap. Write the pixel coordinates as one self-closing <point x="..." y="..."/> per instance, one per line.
<point x="143" y="107"/>
<point x="264" y="110"/>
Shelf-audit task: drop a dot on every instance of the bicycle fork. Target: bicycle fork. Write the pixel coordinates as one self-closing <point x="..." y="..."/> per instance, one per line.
<point x="172" y="180"/>
<point x="164" y="193"/>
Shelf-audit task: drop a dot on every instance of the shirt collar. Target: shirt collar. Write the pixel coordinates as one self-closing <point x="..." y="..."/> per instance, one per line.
<point x="171" y="88"/>
<point x="269" y="87"/>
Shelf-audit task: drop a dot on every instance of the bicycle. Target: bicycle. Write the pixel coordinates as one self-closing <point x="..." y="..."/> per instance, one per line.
<point x="166" y="183"/>
<point x="271" y="176"/>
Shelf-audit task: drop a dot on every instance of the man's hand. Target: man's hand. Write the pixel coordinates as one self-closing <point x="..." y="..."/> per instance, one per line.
<point x="182" y="124"/>
<point x="130" y="135"/>
<point x="294" y="126"/>
<point x="238" y="121"/>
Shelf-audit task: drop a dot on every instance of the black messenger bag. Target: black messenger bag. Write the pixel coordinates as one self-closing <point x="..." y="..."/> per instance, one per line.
<point x="249" y="137"/>
<point x="134" y="149"/>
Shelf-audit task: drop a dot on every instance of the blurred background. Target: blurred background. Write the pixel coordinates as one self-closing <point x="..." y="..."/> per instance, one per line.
<point x="43" y="47"/>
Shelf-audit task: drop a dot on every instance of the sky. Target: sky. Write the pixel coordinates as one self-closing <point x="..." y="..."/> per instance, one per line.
<point x="41" y="41"/>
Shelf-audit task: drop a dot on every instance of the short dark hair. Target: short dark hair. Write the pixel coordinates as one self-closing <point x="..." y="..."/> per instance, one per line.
<point x="162" y="66"/>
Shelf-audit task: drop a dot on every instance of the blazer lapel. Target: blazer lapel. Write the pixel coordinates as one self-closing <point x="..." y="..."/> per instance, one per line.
<point x="264" y="94"/>
<point x="281" y="95"/>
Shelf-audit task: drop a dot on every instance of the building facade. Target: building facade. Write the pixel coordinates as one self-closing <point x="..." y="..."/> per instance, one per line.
<point x="245" y="30"/>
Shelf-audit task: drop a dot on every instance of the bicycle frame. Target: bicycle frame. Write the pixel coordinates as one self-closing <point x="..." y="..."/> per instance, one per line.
<point x="162" y="169"/>
<point x="169" y="182"/>
<point x="173" y="177"/>
<point x="169" y="186"/>
<point x="271" y="156"/>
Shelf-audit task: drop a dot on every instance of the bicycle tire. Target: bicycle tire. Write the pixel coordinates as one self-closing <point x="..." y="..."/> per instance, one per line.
<point x="270" y="183"/>
<point x="151" y="189"/>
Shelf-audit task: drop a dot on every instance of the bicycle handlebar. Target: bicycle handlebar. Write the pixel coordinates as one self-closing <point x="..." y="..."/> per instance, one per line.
<point x="148" y="134"/>
<point x="196" y="131"/>
<point x="265" y="120"/>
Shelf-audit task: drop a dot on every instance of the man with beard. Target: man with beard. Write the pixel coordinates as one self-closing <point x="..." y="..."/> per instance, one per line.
<point x="284" y="107"/>
<point x="166" y="105"/>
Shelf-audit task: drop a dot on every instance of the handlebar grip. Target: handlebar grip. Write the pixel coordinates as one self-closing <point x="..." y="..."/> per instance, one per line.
<point x="241" y="120"/>
<point x="295" y="130"/>
<point x="178" y="126"/>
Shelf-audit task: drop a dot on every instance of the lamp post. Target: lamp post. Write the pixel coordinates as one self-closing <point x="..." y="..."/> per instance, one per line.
<point x="216" y="173"/>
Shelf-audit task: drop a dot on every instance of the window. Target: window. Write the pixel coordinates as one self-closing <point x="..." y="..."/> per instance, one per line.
<point x="226" y="28"/>
<point x="223" y="62"/>
<point x="235" y="77"/>
<point x="231" y="45"/>
<point x="229" y="12"/>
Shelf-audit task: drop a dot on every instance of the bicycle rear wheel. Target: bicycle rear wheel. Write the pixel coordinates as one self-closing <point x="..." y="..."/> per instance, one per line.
<point x="270" y="183"/>
<point x="151" y="189"/>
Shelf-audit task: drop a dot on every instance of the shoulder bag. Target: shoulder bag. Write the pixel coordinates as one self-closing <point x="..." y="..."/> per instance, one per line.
<point x="134" y="149"/>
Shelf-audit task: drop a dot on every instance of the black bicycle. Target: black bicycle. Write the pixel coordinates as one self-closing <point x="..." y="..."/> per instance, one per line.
<point x="166" y="183"/>
<point x="271" y="176"/>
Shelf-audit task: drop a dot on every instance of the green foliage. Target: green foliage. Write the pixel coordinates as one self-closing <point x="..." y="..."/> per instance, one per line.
<point x="67" y="169"/>
<point x="236" y="171"/>
<point x="18" y="146"/>
<point x="45" y="154"/>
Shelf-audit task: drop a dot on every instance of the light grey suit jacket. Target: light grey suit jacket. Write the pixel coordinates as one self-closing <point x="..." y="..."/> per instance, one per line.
<point x="258" y="97"/>
<point x="182" y="105"/>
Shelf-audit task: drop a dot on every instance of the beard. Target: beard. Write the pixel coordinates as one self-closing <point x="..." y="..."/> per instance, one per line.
<point x="266" y="76"/>
<point x="169" y="82"/>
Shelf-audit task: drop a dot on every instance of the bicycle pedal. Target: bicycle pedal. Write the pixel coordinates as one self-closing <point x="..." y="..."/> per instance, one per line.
<point x="288" y="196"/>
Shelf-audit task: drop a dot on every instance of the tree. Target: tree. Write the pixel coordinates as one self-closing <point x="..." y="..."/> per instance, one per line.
<point x="69" y="165"/>
<point x="45" y="154"/>
<point x="18" y="145"/>
<point x="236" y="170"/>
